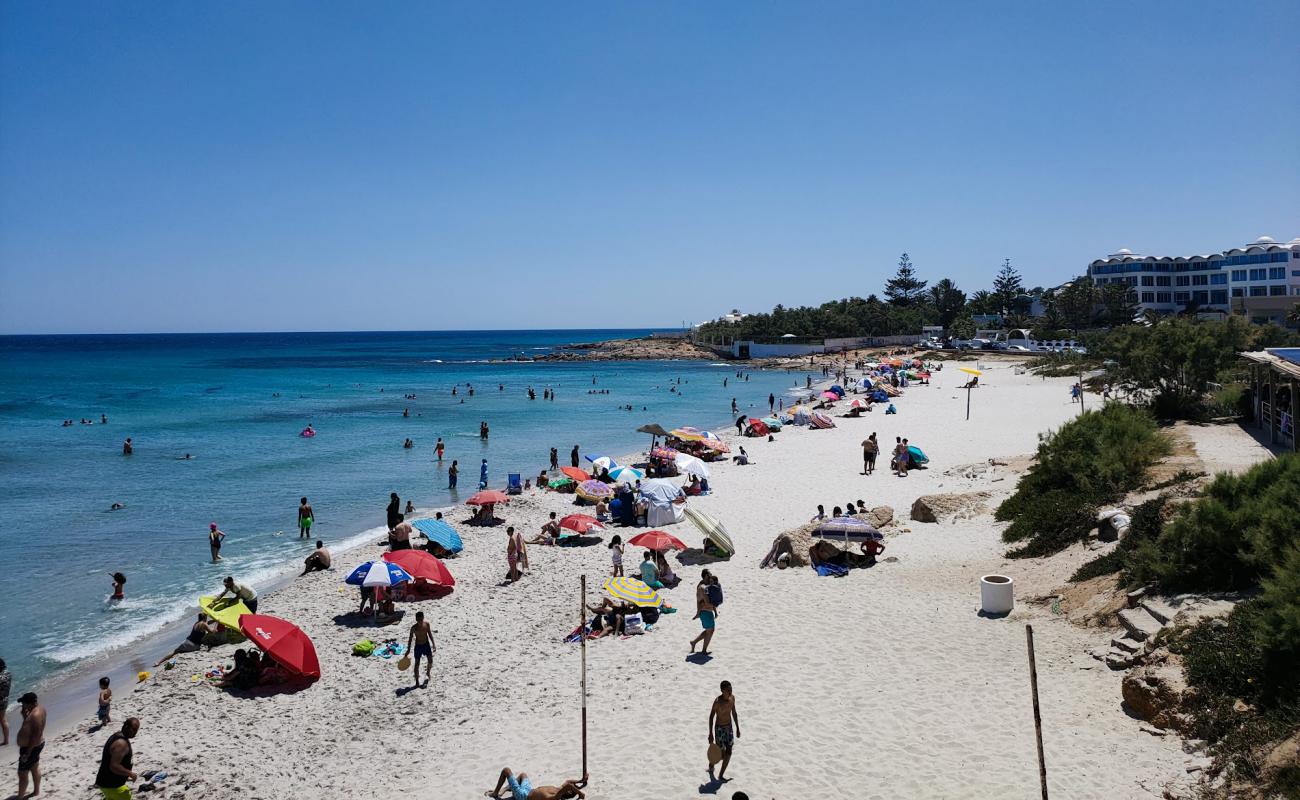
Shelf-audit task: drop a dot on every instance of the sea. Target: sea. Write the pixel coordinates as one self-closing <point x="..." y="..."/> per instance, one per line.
<point x="215" y="420"/>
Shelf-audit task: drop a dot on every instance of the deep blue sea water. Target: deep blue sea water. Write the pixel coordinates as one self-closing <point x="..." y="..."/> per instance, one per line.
<point x="236" y="403"/>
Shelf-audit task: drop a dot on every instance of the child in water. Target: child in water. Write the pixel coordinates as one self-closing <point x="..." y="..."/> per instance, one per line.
<point x="105" y="702"/>
<point x="119" y="581"/>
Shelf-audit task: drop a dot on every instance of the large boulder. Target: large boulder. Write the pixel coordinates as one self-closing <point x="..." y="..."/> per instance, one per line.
<point x="880" y="516"/>
<point x="1156" y="694"/>
<point x="948" y="507"/>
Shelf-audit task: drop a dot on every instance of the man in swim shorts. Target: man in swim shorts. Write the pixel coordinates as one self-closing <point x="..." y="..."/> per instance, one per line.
<point x="422" y="637"/>
<point x="705" y="612"/>
<point x="317" y="561"/>
<point x="722" y="718"/>
<point x="305" y="519"/>
<point x="521" y="788"/>
<point x="31" y="741"/>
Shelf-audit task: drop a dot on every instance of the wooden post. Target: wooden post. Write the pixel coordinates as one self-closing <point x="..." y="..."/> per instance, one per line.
<point x="968" y="388"/>
<point x="582" y="633"/>
<point x="1038" y="720"/>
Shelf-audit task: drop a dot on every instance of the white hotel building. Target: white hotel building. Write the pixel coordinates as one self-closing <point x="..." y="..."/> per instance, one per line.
<point x="1260" y="280"/>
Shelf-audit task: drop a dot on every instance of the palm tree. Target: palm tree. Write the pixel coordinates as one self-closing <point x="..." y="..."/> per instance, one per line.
<point x="1293" y="316"/>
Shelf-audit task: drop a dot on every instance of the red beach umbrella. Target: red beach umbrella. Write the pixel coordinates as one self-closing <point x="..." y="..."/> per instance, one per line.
<point x="577" y="474"/>
<point x="487" y="498"/>
<point x="581" y="523"/>
<point x="283" y="641"/>
<point x="422" y="566"/>
<point x="657" y="540"/>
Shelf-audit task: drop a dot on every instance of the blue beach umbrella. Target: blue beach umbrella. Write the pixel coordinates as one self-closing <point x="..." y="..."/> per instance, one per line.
<point x="378" y="573"/>
<point x="627" y="475"/>
<point x="440" y="533"/>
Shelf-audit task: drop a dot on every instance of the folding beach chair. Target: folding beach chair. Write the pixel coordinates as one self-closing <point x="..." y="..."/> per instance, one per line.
<point x="514" y="485"/>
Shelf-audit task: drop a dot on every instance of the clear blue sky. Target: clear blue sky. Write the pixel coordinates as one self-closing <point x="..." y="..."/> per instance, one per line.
<point x="333" y="166"/>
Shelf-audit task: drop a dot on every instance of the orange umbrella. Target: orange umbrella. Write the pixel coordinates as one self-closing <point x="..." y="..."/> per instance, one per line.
<point x="487" y="498"/>
<point x="577" y="474"/>
<point x="421" y="566"/>
<point x="581" y="523"/>
<point x="657" y="540"/>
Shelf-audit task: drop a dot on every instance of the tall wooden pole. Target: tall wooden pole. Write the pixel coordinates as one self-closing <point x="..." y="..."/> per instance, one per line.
<point x="582" y="632"/>
<point x="1038" y="720"/>
<point x="968" y="388"/>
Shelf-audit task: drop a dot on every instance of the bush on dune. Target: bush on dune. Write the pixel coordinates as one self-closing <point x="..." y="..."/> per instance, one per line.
<point x="1092" y="460"/>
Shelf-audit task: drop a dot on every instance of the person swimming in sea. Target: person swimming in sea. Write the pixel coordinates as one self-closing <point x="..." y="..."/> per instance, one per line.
<point x="117" y="506"/>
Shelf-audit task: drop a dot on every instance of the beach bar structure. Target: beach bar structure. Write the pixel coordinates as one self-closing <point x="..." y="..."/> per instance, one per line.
<point x="1275" y="392"/>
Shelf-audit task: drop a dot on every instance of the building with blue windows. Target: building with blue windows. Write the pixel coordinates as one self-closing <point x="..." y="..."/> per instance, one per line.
<point x="1260" y="280"/>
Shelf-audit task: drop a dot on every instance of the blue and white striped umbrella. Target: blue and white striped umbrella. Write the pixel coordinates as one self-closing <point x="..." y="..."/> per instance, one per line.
<point x="628" y="475"/>
<point x="378" y="573"/>
<point x="440" y="533"/>
<point x="602" y="462"/>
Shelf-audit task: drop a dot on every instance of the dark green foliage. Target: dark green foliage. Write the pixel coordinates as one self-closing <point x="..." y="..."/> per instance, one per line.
<point x="1145" y="527"/>
<point x="1089" y="461"/>
<point x="1008" y="289"/>
<point x="1234" y="536"/>
<point x="905" y="289"/>
<point x="853" y="316"/>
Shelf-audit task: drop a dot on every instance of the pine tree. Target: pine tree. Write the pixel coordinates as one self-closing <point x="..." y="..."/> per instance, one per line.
<point x="948" y="301"/>
<point x="904" y="289"/>
<point x="1007" y="287"/>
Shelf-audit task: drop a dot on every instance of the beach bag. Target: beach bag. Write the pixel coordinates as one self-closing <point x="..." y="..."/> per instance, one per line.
<point x="632" y="624"/>
<point x="715" y="594"/>
<point x="363" y="648"/>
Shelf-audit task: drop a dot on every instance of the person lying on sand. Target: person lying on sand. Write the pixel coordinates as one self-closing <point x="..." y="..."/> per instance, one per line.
<point x="522" y="789"/>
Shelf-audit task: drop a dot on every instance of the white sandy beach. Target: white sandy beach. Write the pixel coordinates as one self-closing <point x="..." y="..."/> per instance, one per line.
<point x="883" y="684"/>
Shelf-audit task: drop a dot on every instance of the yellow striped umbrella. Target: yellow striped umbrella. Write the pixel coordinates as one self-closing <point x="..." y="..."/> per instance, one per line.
<point x="970" y="370"/>
<point x="634" y="591"/>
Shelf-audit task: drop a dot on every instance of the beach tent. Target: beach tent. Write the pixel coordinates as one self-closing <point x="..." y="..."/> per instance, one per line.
<point x="660" y="493"/>
<point x="440" y="533"/>
<point x="421" y="566"/>
<point x="284" y="642"/>
<point x="691" y="465"/>
<point x="915" y="456"/>
<point x="801" y="416"/>
<point x="837" y="389"/>
<point x="772" y="422"/>
<point x="820" y="420"/>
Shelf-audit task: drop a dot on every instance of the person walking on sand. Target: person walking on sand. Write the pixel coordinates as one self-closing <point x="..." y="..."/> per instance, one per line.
<point x="421" y="637"/>
<point x="616" y="555"/>
<point x="305" y="518"/>
<point x="724" y="727"/>
<point x="115" y="768"/>
<point x="453" y="472"/>
<point x="394" y="516"/>
<point x="438" y="449"/>
<point x="705" y="612"/>
<point x="105" y="709"/>
<point x="6" y="683"/>
<point x="215" y="535"/>
<point x="573" y="456"/>
<point x="516" y="551"/>
<point x="870" y="449"/>
<point x="31" y="741"/>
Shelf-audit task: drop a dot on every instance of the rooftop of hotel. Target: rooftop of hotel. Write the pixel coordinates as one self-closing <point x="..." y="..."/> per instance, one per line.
<point x="1264" y="244"/>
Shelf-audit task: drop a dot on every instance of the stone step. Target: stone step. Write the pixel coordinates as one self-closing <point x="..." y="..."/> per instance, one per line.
<point x="1126" y="644"/>
<point x="1158" y="609"/>
<point x="1140" y="624"/>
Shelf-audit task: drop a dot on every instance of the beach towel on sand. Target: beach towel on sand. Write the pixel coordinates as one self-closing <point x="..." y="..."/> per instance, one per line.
<point x="831" y="570"/>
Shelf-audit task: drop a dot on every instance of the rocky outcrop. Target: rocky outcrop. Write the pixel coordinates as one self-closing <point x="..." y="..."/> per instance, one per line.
<point x="880" y="516"/>
<point x="1156" y="694"/>
<point x="948" y="507"/>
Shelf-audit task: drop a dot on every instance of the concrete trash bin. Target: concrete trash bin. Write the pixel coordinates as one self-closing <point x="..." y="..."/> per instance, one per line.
<point x="996" y="594"/>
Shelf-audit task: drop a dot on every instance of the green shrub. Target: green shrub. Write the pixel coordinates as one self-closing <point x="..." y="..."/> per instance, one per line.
<point x="1091" y="460"/>
<point x="1233" y="536"/>
<point x="1145" y="527"/>
<point x="1226" y="402"/>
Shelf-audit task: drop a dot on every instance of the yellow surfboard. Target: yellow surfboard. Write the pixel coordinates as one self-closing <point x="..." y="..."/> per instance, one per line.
<point x="226" y="611"/>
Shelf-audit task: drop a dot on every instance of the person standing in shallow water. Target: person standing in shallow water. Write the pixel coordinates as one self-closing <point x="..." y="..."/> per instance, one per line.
<point x="305" y="519"/>
<point x="555" y="459"/>
<point x="215" y="535"/>
<point x="127" y="447"/>
<point x="438" y="449"/>
<point x="453" y="472"/>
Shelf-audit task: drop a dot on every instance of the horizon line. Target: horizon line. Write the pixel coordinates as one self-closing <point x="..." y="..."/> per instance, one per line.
<point x="651" y="328"/>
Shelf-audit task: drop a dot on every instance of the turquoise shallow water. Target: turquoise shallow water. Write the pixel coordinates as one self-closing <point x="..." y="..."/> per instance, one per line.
<point x="236" y="403"/>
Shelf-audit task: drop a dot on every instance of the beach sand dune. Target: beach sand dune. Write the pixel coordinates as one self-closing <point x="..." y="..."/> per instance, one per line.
<point x="886" y="683"/>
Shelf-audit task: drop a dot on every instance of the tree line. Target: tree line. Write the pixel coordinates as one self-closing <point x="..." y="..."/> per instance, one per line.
<point x="907" y="303"/>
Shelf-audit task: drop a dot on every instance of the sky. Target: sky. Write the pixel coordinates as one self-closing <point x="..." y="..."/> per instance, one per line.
<point x="248" y="166"/>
